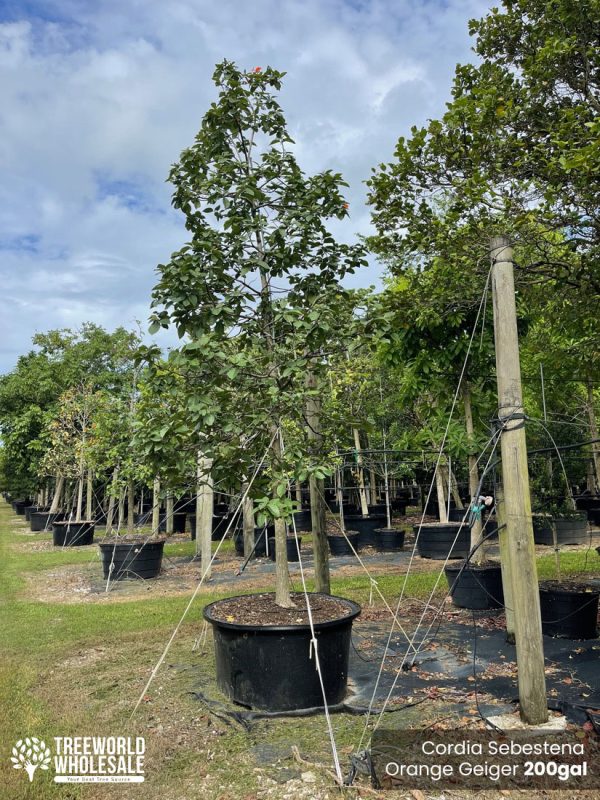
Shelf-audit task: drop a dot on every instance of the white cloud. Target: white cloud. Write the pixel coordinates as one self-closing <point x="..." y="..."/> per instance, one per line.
<point x="98" y="99"/>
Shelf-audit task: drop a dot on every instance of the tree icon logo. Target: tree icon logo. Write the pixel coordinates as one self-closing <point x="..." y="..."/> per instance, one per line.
<point x="29" y="754"/>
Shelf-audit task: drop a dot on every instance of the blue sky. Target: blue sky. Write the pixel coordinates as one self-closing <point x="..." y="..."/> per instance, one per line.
<point x="97" y="99"/>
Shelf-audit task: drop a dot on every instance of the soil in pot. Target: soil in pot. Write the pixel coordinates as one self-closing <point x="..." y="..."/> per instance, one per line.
<point x="477" y="586"/>
<point x="131" y="557"/>
<point x="43" y="520"/>
<point x="436" y="540"/>
<point x="72" y="533"/>
<point x="263" y="651"/>
<point x="389" y="539"/>
<point x="339" y="545"/>
<point x="569" y="610"/>
<point x="365" y="527"/>
<point x="292" y="550"/>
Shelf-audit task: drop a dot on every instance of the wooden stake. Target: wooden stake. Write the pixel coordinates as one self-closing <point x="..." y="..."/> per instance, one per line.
<point x="204" y="513"/>
<point x="515" y="479"/>
<point x="156" y="506"/>
<point x="506" y="580"/>
<point x="364" y="506"/>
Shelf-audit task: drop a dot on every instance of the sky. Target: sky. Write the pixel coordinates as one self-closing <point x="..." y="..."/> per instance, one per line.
<point x="99" y="97"/>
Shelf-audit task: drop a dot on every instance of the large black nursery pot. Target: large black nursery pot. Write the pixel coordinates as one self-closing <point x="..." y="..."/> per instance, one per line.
<point x="292" y="550"/>
<point x="585" y="501"/>
<point x="398" y="505"/>
<point x="366" y="528"/>
<point x="437" y="540"/>
<point x="30" y="509"/>
<point x="340" y="545"/>
<point x="219" y="526"/>
<point x="179" y="518"/>
<point x="593" y="515"/>
<point x="260" y="540"/>
<point x="389" y="539"/>
<point x="302" y="521"/>
<point x="131" y="559"/>
<point x="72" y="533"/>
<point x="569" y="611"/>
<point x="270" y="668"/>
<point x="490" y="525"/>
<point x="571" y="529"/>
<point x="475" y="587"/>
<point x="19" y="506"/>
<point x="43" y="520"/>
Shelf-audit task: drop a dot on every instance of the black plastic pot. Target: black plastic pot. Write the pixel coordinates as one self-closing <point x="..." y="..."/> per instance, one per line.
<point x="179" y="518"/>
<point x="270" y="667"/>
<point x="131" y="559"/>
<point x="568" y="613"/>
<point x="366" y="528"/>
<point x="30" y="509"/>
<point x="569" y="530"/>
<point x="399" y="506"/>
<point x="379" y="509"/>
<point x="260" y="539"/>
<point x="340" y="546"/>
<point x="292" y="550"/>
<point x="593" y="515"/>
<point x="72" y="534"/>
<point x="219" y="526"/>
<point x="436" y="538"/>
<point x="585" y="501"/>
<point x="476" y="587"/>
<point x="491" y="525"/>
<point x="302" y="521"/>
<point x="389" y="539"/>
<point x="19" y="506"/>
<point x="43" y="520"/>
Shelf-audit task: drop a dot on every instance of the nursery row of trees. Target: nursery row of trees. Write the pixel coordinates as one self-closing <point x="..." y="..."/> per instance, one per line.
<point x="280" y="364"/>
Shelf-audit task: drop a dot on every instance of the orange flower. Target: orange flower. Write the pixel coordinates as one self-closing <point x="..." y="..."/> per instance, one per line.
<point x="346" y="205"/>
<point x="257" y="69"/>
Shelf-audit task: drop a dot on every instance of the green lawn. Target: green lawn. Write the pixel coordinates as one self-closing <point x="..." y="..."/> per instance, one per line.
<point x="78" y="668"/>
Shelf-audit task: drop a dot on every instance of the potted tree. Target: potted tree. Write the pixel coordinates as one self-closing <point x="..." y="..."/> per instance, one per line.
<point x="256" y="292"/>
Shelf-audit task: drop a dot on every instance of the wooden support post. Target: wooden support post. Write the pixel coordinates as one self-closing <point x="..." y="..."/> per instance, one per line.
<point x="504" y="564"/>
<point x="515" y="480"/>
<point x="130" y="507"/>
<point x="169" y="511"/>
<point x="204" y="513"/>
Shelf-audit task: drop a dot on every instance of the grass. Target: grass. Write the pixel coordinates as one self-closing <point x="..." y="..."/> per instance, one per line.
<point x="77" y="669"/>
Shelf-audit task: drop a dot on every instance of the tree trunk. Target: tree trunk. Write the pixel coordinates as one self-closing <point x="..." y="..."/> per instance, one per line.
<point x="479" y="556"/>
<point x="89" y="495"/>
<point x="364" y="507"/>
<point x="111" y="501"/>
<point x="156" y="506"/>
<point x="169" y="510"/>
<point x="282" y="577"/>
<point x="317" y="491"/>
<point x="372" y="477"/>
<point x="58" y="490"/>
<point x="121" y="518"/>
<point x="130" y="507"/>
<point x="248" y="522"/>
<point x="594" y="433"/>
<point x="79" y="509"/>
<point x="204" y="512"/>
<point x="441" y="497"/>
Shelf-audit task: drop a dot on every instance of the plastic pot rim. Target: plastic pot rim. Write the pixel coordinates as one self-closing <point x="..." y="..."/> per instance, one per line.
<point x="355" y="610"/>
